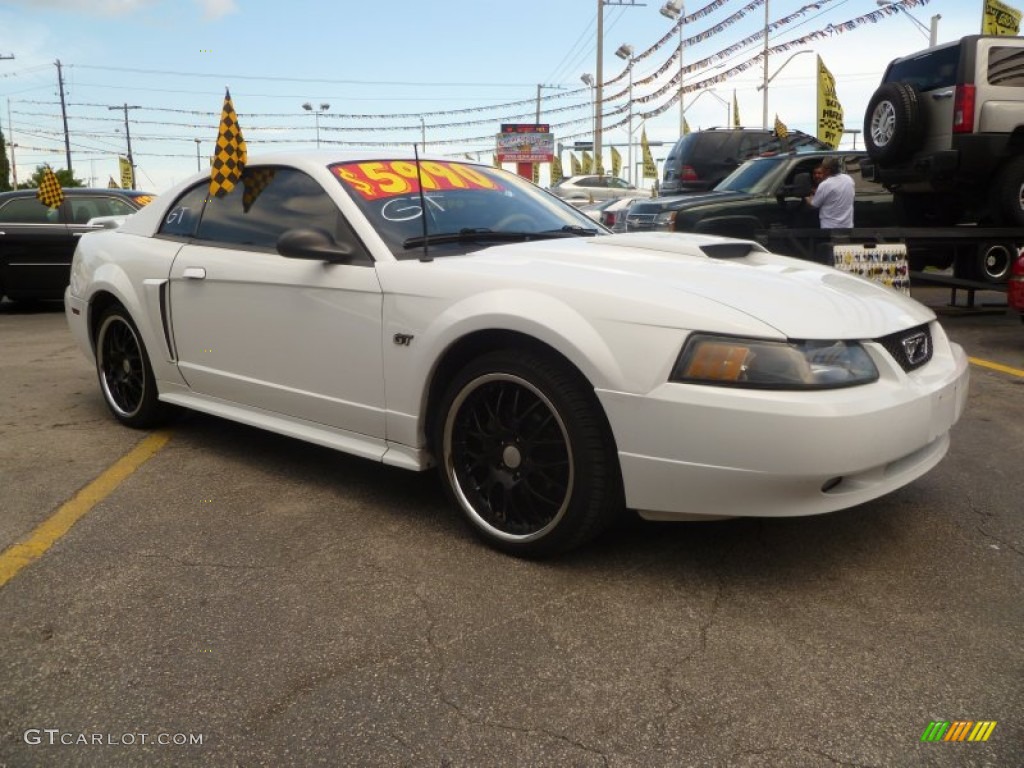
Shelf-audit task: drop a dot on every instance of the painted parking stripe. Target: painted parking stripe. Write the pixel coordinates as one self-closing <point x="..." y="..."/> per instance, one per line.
<point x="997" y="367"/>
<point x="34" y="546"/>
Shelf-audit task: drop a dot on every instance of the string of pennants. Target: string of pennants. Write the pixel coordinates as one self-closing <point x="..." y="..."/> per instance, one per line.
<point x="872" y="17"/>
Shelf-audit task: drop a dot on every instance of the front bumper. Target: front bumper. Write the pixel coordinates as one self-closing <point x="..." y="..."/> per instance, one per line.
<point x="693" y="451"/>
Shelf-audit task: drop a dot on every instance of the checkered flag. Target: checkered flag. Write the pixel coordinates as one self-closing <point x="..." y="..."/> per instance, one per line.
<point x="49" y="193"/>
<point x="230" y="155"/>
<point x="254" y="183"/>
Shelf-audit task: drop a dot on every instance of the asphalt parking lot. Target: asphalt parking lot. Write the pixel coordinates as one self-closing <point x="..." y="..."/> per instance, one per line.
<point x="244" y="599"/>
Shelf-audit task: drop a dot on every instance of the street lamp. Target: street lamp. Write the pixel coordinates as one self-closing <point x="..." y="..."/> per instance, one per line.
<point x="764" y="85"/>
<point x="710" y="92"/>
<point x="588" y="80"/>
<point x="931" y="34"/>
<point x="199" y="167"/>
<point x="625" y="51"/>
<point x="671" y="10"/>
<point x="316" y="113"/>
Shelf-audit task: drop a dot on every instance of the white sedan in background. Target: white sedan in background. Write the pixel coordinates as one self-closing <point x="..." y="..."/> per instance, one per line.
<point x="438" y="312"/>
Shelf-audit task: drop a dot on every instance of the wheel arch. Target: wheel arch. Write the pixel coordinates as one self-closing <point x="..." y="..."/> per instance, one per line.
<point x="475" y="343"/>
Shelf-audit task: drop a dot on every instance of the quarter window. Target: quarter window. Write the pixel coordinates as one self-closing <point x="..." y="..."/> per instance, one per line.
<point x="85" y="208"/>
<point x="1006" y="66"/>
<point x="183" y="217"/>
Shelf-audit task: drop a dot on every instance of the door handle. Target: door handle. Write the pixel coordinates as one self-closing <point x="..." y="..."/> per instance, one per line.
<point x="194" y="273"/>
<point x="942" y="95"/>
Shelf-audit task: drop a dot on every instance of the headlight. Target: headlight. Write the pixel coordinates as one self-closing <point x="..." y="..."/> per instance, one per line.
<point x="665" y="219"/>
<point x="730" y="361"/>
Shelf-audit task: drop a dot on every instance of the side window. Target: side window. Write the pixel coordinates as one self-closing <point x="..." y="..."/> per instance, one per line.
<point x="268" y="202"/>
<point x="183" y="217"/>
<point x="28" y="210"/>
<point x="1006" y="65"/>
<point x="935" y="69"/>
<point x="85" y="208"/>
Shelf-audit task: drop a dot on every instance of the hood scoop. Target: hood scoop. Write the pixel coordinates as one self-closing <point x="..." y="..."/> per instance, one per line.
<point x="737" y="249"/>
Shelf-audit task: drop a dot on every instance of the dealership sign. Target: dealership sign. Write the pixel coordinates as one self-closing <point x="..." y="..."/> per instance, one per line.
<point x="525" y="143"/>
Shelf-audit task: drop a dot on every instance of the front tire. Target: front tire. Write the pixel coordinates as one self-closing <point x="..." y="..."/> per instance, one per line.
<point x="126" y="377"/>
<point x="525" y="452"/>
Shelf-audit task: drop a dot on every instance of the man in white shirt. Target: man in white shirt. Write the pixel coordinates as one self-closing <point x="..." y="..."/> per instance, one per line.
<point x="834" y="197"/>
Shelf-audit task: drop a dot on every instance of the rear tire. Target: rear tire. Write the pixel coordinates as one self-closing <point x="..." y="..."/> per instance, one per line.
<point x="893" y="123"/>
<point x="126" y="377"/>
<point x="526" y="453"/>
<point x="992" y="262"/>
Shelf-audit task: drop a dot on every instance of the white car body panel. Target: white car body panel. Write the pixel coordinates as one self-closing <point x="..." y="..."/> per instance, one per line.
<point x="309" y="349"/>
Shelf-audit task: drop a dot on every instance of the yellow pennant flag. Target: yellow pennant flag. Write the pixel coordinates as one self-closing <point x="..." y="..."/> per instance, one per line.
<point x="650" y="168"/>
<point x="494" y="160"/>
<point x="598" y="165"/>
<point x="735" y="110"/>
<point x="1000" y="19"/>
<point x="112" y="184"/>
<point x="50" y="193"/>
<point x="588" y="163"/>
<point x="575" y="169"/>
<point x="556" y="170"/>
<point x="127" y="177"/>
<point x="686" y="127"/>
<point x="535" y="174"/>
<point x="230" y="156"/>
<point x="781" y="131"/>
<point x="616" y="162"/>
<point x="830" y="111"/>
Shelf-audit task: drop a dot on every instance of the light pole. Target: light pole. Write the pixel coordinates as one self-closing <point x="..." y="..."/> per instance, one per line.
<point x="316" y="114"/>
<point x="710" y="92"/>
<point x="599" y="77"/>
<point x="588" y="80"/>
<point x="931" y="33"/>
<point x="764" y="85"/>
<point x="672" y="10"/>
<point x="625" y="51"/>
<point x="423" y="135"/>
<point x="199" y="166"/>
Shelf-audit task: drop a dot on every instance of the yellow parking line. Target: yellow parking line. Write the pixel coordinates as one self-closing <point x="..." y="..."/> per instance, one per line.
<point x="34" y="546"/>
<point x="997" y="367"/>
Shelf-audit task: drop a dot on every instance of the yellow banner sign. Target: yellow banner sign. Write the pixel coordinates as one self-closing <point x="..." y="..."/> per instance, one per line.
<point x="650" y="168"/>
<point x="127" y="182"/>
<point x="1000" y="19"/>
<point x="830" y="111"/>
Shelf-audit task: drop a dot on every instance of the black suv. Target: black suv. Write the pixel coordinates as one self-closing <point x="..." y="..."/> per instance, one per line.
<point x="700" y="160"/>
<point x="37" y="242"/>
<point x="766" y="193"/>
<point x="945" y="132"/>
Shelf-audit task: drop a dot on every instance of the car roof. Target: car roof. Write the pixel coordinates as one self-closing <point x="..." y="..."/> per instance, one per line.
<point x="87" y="191"/>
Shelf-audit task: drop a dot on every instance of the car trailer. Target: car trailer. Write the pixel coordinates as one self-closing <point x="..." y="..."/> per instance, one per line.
<point x="981" y="257"/>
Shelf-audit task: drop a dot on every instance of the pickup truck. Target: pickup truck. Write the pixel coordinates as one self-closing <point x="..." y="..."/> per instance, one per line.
<point x="764" y="199"/>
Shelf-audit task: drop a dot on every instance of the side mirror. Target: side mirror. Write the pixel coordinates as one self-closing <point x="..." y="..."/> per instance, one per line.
<point x="315" y="244"/>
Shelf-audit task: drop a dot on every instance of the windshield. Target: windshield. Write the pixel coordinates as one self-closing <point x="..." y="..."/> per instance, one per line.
<point x="468" y="206"/>
<point x="749" y="177"/>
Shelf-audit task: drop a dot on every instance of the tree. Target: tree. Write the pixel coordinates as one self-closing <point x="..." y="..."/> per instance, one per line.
<point x="64" y="176"/>
<point x="5" y="166"/>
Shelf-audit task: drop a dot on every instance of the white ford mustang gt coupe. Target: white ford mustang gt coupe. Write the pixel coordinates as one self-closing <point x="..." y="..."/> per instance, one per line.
<point x="439" y="312"/>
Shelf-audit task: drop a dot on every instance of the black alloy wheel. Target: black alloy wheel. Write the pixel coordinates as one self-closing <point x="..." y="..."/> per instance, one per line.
<point x="126" y="378"/>
<point x="526" y="454"/>
<point x="993" y="261"/>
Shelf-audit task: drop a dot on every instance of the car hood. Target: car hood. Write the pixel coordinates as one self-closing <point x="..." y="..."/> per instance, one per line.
<point x="690" y="201"/>
<point x="674" y="280"/>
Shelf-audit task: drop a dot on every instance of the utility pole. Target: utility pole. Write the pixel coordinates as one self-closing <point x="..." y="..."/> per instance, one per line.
<point x="12" y="145"/>
<point x="64" y="114"/>
<point x="128" y="136"/>
<point x="764" y="82"/>
<point x="599" y="75"/>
